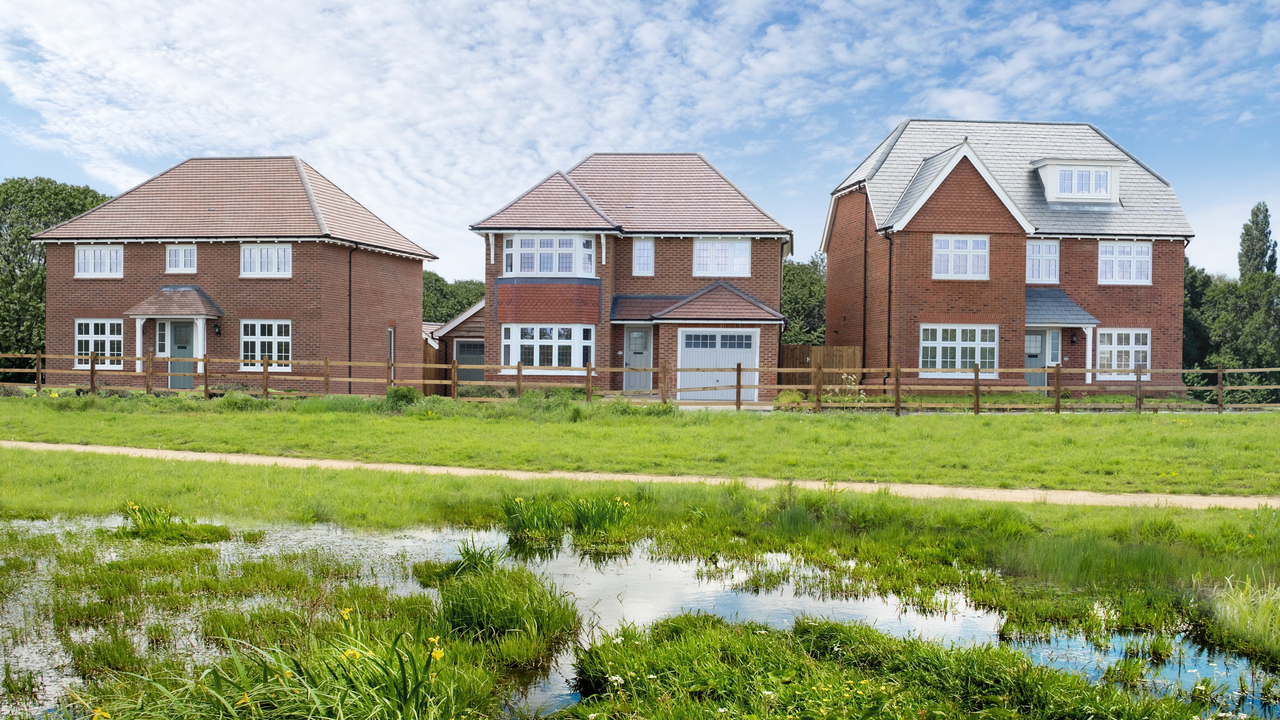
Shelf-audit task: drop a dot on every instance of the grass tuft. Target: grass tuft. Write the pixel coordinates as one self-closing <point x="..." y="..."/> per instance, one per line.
<point x="162" y="525"/>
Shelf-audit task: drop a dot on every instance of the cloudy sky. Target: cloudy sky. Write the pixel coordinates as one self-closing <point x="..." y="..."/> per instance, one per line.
<point x="434" y="114"/>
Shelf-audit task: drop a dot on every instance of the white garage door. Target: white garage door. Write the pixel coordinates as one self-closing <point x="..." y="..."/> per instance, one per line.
<point x="717" y="348"/>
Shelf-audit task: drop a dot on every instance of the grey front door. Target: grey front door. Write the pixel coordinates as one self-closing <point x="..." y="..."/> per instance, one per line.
<point x="1035" y="358"/>
<point x="180" y="346"/>
<point x="470" y="352"/>
<point x="638" y="354"/>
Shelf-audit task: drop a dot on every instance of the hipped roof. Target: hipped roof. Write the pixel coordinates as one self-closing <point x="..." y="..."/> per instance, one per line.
<point x="176" y="301"/>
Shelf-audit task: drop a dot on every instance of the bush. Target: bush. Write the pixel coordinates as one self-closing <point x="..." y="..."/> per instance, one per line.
<point x="402" y="396"/>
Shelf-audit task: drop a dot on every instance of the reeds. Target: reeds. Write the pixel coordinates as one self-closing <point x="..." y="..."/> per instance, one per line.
<point x="163" y="525"/>
<point x="492" y="603"/>
<point x="532" y="521"/>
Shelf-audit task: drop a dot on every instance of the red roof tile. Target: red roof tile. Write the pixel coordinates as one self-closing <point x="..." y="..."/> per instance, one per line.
<point x="176" y="300"/>
<point x="720" y="301"/>
<point x="553" y="204"/>
<point x="640" y="307"/>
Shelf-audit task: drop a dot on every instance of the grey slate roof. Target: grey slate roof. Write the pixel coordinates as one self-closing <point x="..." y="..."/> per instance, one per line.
<point x="1148" y="205"/>
<point x="1051" y="306"/>
<point x="925" y="173"/>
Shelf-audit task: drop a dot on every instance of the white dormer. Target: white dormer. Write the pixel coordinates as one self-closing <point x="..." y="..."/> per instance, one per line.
<point x="1080" y="180"/>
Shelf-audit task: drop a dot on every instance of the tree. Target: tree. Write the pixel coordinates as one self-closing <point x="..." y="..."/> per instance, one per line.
<point x="28" y="206"/>
<point x="1257" y="249"/>
<point x="442" y="300"/>
<point x="804" y="301"/>
<point x="1195" y="336"/>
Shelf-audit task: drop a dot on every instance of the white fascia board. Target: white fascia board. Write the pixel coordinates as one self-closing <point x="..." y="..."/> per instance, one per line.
<point x="462" y="317"/>
<point x="686" y="321"/>
<point x="831" y="214"/>
<point x="1037" y="164"/>
<point x="966" y="150"/>
<point x="1054" y="326"/>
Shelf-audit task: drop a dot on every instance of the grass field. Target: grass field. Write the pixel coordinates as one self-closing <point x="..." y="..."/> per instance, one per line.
<point x="1201" y="454"/>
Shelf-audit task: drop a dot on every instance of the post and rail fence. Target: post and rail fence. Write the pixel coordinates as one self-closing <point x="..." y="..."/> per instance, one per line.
<point x="816" y="386"/>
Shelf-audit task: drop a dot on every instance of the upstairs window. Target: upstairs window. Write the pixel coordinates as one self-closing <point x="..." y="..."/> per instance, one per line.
<point x="572" y="256"/>
<point x="1084" y="183"/>
<point x="960" y="257"/>
<point x="1042" y="261"/>
<point x="266" y="261"/>
<point x="99" y="261"/>
<point x="642" y="257"/>
<point x="1124" y="263"/>
<point x="180" y="259"/>
<point x="722" y="258"/>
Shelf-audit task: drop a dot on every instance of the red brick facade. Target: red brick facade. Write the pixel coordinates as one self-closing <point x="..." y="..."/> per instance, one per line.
<point x="387" y="294"/>
<point x="899" y="294"/>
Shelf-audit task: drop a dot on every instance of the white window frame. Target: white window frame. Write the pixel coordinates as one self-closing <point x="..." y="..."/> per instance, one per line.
<point x="163" y="338"/>
<point x="99" y="261"/>
<point x="254" y="364"/>
<point x="109" y="343"/>
<point x="969" y="253"/>
<point x="1117" y="362"/>
<point x="1075" y="191"/>
<point x="185" y="255"/>
<point x="637" y="245"/>
<point x="1044" y="267"/>
<point x="513" y="343"/>
<point x="939" y="341"/>
<point x="1053" y="351"/>
<point x="277" y="270"/>
<point x="581" y="249"/>
<point x="736" y="253"/>
<point x="1111" y="267"/>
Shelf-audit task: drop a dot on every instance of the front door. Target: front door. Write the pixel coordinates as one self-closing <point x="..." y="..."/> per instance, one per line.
<point x="180" y="346"/>
<point x="638" y="354"/>
<point x="1035" y="358"/>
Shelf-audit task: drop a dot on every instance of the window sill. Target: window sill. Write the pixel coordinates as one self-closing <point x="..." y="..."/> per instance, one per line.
<point x="1044" y="282"/>
<point x="99" y="277"/>
<point x="266" y="277"/>
<point x="1122" y="378"/>
<point x="719" y="275"/>
<point x="960" y="278"/>
<point x="257" y="369"/>
<point x="179" y="272"/>
<point x="1138" y="283"/>
<point x="549" y="276"/>
<point x="541" y="371"/>
<point x="964" y="375"/>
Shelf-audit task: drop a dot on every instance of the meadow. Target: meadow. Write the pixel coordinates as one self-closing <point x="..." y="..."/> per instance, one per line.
<point x="1232" y="454"/>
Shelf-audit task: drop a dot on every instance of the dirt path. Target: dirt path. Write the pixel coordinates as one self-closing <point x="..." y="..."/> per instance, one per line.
<point x="1057" y="497"/>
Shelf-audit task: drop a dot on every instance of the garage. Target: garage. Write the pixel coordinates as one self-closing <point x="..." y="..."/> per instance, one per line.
<point x="470" y="352"/>
<point x="717" y="348"/>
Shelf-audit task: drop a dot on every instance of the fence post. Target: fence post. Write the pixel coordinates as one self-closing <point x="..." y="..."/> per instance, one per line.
<point x="1137" y="399"/>
<point x="38" y="383"/>
<point x="390" y="383"/>
<point x="662" y="382"/>
<point x="1057" y="389"/>
<point x="520" y="379"/>
<point x="1219" y="387"/>
<point x="737" y="390"/>
<point x="897" y="390"/>
<point x="150" y="359"/>
<point x="206" y="376"/>
<point x="326" y="375"/>
<point x="815" y="370"/>
<point x="266" y="390"/>
<point x="977" y="389"/>
<point x="453" y="379"/>
<point x="93" y="372"/>
<point x="587" y="381"/>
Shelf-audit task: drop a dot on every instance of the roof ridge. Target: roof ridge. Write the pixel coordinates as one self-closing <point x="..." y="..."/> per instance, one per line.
<point x="311" y="196"/>
<point x="738" y="190"/>
<point x="586" y="197"/>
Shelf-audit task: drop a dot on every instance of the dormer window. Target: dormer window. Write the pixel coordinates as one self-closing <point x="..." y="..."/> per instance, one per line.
<point x="1079" y="180"/>
<point x="1085" y="181"/>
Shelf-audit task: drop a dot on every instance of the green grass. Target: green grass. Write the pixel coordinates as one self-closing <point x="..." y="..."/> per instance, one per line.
<point x="1206" y="454"/>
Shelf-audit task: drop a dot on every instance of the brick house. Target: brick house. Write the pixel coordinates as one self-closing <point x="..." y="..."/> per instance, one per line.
<point x="634" y="260"/>
<point x="1006" y="244"/>
<point x="247" y="258"/>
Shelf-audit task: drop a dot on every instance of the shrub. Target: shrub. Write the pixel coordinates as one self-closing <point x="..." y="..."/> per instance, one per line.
<point x="402" y="396"/>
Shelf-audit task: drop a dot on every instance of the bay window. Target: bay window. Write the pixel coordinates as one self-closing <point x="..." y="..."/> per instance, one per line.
<point x="1122" y="351"/>
<point x="266" y="341"/>
<point x="949" y="347"/>
<point x="99" y="261"/>
<point x="547" y="348"/>
<point x="960" y="257"/>
<point x="104" y="337"/>
<point x="549" y="255"/>
<point x="1042" y="261"/>
<point x="722" y="258"/>
<point x="1125" y="262"/>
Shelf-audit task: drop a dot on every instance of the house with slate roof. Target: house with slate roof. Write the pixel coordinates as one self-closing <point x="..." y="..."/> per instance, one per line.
<point x="1006" y="244"/>
<point x="634" y="260"/>
<point x="250" y="259"/>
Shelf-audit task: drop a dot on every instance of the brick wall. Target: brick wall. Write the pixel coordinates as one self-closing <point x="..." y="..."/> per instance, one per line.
<point x="673" y="270"/>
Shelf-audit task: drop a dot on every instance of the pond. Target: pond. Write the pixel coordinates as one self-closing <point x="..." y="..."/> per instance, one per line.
<point x="636" y="588"/>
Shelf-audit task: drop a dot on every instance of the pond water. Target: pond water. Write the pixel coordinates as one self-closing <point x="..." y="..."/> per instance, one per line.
<point x="636" y="589"/>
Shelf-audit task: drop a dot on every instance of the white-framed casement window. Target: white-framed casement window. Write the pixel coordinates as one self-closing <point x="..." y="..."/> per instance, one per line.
<point x="104" y="337"/>
<point x="642" y="257"/>
<point x="1122" y="351"/>
<point x="260" y="260"/>
<point x="1084" y="182"/>
<point x="1055" y="348"/>
<point x="1042" y="261"/>
<point x="959" y="346"/>
<point x="549" y="255"/>
<point x="162" y="338"/>
<point x="722" y="258"/>
<point x="1124" y="262"/>
<point x="961" y="257"/>
<point x="180" y="258"/>
<point x="99" y="261"/>
<point x="266" y="340"/>
<point x="544" y="348"/>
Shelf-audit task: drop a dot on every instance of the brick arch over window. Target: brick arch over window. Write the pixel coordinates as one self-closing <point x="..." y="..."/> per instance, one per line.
<point x="964" y="203"/>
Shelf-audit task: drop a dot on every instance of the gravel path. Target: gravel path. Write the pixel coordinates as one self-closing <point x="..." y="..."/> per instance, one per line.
<point x="1057" y="497"/>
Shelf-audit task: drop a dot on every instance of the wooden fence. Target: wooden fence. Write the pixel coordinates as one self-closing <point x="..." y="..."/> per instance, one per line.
<point x="897" y="392"/>
<point x="805" y="356"/>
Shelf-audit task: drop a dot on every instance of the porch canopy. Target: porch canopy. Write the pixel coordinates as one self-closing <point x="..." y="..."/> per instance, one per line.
<point x="176" y="302"/>
<point x="1051" y="307"/>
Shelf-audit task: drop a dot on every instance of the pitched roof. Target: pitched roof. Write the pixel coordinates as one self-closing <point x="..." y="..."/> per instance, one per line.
<point x="638" y="193"/>
<point x="176" y="300"/>
<point x="1052" y="306"/>
<point x="932" y="171"/>
<point x="461" y="318"/>
<point x="1148" y="205"/>
<point x="556" y="203"/>
<point x="720" y="301"/>
<point x="240" y="197"/>
<point x="640" y="307"/>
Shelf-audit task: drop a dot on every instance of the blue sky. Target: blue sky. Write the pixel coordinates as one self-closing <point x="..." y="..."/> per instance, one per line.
<point x="435" y="114"/>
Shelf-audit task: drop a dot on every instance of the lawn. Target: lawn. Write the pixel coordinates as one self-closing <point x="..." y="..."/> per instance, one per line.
<point x="1230" y="454"/>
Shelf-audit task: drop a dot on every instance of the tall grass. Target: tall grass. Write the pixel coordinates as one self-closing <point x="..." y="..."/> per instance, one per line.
<point x="162" y="525"/>
<point x="498" y="601"/>
<point x="1247" y="613"/>
<point x="532" y="521"/>
<point x="600" y="523"/>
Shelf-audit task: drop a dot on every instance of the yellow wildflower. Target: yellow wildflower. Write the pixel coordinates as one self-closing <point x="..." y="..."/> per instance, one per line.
<point x="99" y="712"/>
<point x="434" y="640"/>
<point x="437" y="654"/>
<point x="288" y="673"/>
<point x="346" y="613"/>
<point x="244" y="700"/>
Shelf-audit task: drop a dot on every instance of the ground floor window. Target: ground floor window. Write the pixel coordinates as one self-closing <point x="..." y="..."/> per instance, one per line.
<point x="548" y="346"/>
<point x="1123" y="349"/>
<point x="104" y="337"/>
<point x="958" y="346"/>
<point x="269" y="340"/>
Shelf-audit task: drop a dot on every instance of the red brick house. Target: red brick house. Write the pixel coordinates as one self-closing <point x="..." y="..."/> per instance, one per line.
<point x="1006" y="244"/>
<point x="634" y="260"/>
<point x="253" y="258"/>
